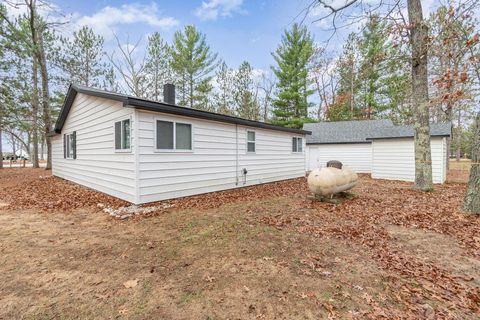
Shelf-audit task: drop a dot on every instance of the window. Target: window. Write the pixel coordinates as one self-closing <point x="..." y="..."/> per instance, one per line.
<point x="250" y="141"/>
<point x="70" y="145"/>
<point x="173" y="135"/>
<point x="297" y="144"/>
<point x="122" y="135"/>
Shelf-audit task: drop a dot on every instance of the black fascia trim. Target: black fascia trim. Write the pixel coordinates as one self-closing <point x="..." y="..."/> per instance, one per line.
<point x="200" y="114"/>
<point x="405" y="137"/>
<point x="343" y="142"/>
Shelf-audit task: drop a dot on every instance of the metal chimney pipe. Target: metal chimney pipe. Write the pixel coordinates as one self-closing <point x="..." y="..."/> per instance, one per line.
<point x="169" y="93"/>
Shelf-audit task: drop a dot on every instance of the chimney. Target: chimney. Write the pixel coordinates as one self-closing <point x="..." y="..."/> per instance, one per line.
<point x="169" y="93"/>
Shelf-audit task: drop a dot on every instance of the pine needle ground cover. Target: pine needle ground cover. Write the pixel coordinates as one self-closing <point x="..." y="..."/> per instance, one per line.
<point x="263" y="252"/>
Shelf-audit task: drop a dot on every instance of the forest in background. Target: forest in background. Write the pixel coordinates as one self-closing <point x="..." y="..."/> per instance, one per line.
<point x="369" y="79"/>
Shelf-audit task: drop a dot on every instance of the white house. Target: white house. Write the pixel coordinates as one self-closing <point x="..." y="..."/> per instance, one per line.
<point x="377" y="147"/>
<point x="345" y="141"/>
<point x="144" y="151"/>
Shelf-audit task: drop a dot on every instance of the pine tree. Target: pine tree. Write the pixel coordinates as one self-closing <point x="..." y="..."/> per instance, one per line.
<point x="245" y="103"/>
<point x="157" y="66"/>
<point x="202" y="97"/>
<point x="373" y="49"/>
<point x="292" y="57"/>
<point x="193" y="63"/>
<point x="223" y="97"/>
<point x="81" y="58"/>
<point x="345" y="105"/>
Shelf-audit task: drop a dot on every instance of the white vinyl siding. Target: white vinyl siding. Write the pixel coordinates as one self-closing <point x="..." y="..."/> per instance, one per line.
<point x="211" y="165"/>
<point x="97" y="164"/>
<point x="205" y="156"/>
<point x="357" y="156"/>
<point x="394" y="159"/>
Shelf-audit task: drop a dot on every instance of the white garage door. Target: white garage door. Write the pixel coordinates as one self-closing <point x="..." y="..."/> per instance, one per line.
<point x="357" y="156"/>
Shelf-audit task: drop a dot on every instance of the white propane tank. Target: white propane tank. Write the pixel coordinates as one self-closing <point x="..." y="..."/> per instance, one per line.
<point x="328" y="181"/>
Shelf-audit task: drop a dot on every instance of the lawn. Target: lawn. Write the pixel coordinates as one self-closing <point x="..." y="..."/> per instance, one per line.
<point x="264" y="252"/>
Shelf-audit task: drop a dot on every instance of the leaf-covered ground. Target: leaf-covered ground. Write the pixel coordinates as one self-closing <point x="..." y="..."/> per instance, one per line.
<point x="263" y="252"/>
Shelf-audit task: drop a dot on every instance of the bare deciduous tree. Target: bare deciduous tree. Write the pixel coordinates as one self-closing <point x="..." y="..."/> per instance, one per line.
<point x="130" y="68"/>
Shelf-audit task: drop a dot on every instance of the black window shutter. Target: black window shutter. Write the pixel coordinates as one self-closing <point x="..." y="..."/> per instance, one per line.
<point x="74" y="144"/>
<point x="65" y="146"/>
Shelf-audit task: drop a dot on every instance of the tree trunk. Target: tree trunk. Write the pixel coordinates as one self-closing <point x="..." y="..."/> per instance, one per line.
<point x="458" y="137"/>
<point x="191" y="91"/>
<point x="471" y="201"/>
<point x="418" y="40"/>
<point x="47" y="117"/>
<point x="14" y="145"/>
<point x="35" y="107"/>
<point x="1" y="150"/>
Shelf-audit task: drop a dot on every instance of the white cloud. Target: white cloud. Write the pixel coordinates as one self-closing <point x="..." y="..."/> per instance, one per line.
<point x="104" y="21"/>
<point x="212" y="9"/>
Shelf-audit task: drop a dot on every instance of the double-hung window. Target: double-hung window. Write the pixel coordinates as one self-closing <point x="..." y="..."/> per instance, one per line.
<point x="70" y="145"/>
<point x="297" y="144"/>
<point x="122" y="135"/>
<point x="173" y="136"/>
<point x="250" y="141"/>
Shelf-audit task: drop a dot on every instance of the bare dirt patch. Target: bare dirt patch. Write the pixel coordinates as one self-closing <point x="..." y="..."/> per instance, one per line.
<point x="263" y="252"/>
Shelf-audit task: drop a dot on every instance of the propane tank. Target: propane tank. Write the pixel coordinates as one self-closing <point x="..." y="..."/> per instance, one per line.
<point x="328" y="181"/>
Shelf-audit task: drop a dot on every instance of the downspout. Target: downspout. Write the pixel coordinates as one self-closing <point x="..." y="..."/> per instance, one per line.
<point x="236" y="154"/>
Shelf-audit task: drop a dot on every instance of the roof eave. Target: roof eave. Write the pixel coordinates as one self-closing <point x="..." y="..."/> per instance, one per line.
<point x="403" y="137"/>
<point x="205" y="115"/>
<point x="342" y="142"/>
<point x="161" y="107"/>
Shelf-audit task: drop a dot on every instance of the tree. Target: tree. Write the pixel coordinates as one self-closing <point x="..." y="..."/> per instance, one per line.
<point x="292" y="57"/>
<point x="193" y="63"/>
<point x="157" y="66"/>
<point x="342" y="103"/>
<point x="419" y="44"/>
<point x="245" y="103"/>
<point x="130" y="68"/>
<point x="418" y="41"/>
<point x="81" y="58"/>
<point x="373" y="49"/>
<point x="202" y="96"/>
<point x="223" y="97"/>
<point x="471" y="201"/>
<point x="452" y="84"/>
<point x="266" y="84"/>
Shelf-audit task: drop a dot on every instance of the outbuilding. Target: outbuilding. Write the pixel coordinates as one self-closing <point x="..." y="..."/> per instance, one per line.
<point x="143" y="151"/>
<point x="394" y="153"/>
<point x="345" y="141"/>
<point x="378" y="147"/>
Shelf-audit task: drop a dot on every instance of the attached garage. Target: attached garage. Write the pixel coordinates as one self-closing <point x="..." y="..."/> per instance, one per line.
<point x="394" y="154"/>
<point x="345" y="141"/>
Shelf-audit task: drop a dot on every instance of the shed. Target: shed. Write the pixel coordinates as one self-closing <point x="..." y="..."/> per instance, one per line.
<point x="143" y="151"/>
<point x="345" y="141"/>
<point x="394" y="155"/>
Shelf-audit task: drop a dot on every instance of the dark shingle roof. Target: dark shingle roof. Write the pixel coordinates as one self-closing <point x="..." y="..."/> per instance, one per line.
<point x="436" y="130"/>
<point x="149" y="105"/>
<point x="356" y="131"/>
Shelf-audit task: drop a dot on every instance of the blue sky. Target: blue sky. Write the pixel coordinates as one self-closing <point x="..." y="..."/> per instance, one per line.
<point x="237" y="29"/>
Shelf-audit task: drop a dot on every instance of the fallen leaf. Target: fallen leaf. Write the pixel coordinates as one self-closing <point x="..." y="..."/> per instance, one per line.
<point x="130" y="283"/>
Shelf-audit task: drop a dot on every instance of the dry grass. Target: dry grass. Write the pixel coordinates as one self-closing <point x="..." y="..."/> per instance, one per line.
<point x="225" y="262"/>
